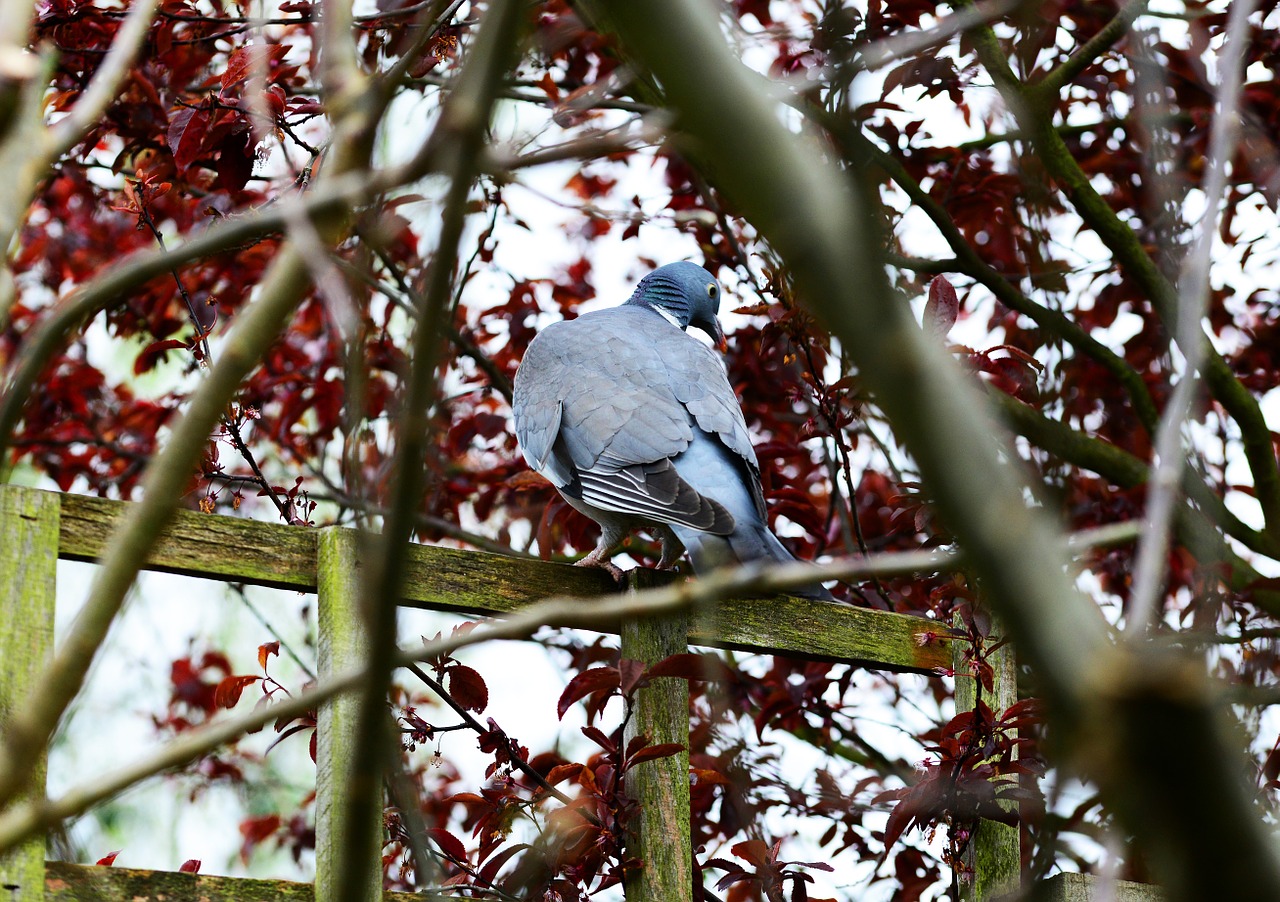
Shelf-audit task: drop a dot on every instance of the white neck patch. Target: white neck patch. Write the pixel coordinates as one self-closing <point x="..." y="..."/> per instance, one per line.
<point x="667" y="315"/>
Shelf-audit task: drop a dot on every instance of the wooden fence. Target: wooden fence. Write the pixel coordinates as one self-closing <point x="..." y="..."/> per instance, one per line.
<point x="37" y="528"/>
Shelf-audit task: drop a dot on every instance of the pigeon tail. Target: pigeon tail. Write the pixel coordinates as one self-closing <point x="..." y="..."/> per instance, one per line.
<point x="751" y="542"/>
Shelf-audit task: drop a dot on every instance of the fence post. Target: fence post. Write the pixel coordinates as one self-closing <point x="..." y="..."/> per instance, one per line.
<point x="994" y="852"/>
<point x="28" y="582"/>
<point x="343" y="645"/>
<point x="660" y="834"/>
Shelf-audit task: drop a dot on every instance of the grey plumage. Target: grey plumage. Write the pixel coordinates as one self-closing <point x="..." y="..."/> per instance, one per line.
<point x="635" y="423"/>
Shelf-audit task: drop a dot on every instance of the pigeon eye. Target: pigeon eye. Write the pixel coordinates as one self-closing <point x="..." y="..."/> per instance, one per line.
<point x="711" y="289"/>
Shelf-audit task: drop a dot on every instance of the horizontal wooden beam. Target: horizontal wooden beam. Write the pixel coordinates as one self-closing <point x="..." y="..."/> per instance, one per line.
<point x="65" y="882"/>
<point x="231" y="549"/>
<point x="1091" y="888"/>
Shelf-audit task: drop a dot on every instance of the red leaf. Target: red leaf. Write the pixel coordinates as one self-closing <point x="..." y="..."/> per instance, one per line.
<point x="752" y="851"/>
<point x="597" y="679"/>
<point x="562" y="772"/>
<point x="449" y="844"/>
<point x="186" y="136"/>
<point x="190" y="866"/>
<point x="723" y="864"/>
<point x="598" y="737"/>
<point x="702" y="775"/>
<point x="296" y="728"/>
<point x="467" y="687"/>
<point x="153" y="353"/>
<point x="234" y="163"/>
<point x="494" y="864"/>
<point x="942" y="308"/>
<point x="526" y="480"/>
<point x="690" y="666"/>
<point x="630" y="673"/>
<point x="256" y="830"/>
<point x="240" y="64"/>
<point x="265" y="651"/>
<point x="915" y="802"/>
<point x="109" y="859"/>
<point x="661" y="750"/>
<point x="1270" y="768"/>
<point x="549" y="87"/>
<point x="227" y="695"/>
<point x="1026" y="712"/>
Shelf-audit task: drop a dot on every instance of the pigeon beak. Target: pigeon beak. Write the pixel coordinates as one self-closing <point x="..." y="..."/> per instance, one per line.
<point x="712" y="328"/>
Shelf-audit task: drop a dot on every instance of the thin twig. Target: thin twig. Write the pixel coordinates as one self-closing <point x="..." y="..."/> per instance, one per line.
<point x="887" y="50"/>
<point x="480" y="729"/>
<point x="229" y="423"/>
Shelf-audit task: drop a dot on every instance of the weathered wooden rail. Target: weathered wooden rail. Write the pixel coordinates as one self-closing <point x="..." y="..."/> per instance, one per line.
<point x="37" y="528"/>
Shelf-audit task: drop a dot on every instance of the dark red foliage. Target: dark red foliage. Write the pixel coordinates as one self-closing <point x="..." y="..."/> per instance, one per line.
<point x="220" y="118"/>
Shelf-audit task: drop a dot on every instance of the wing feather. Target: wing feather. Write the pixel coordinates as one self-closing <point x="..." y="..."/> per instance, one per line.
<point x="603" y="404"/>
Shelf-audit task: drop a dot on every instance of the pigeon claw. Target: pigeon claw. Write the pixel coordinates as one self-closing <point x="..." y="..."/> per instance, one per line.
<point x="608" y="567"/>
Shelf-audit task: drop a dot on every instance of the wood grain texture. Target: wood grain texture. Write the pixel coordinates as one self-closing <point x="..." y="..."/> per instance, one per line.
<point x="660" y="835"/>
<point x="994" y="852"/>
<point x="28" y="587"/>
<point x="1088" y="888"/>
<point x="207" y="545"/>
<point x="344" y="645"/>
<point x="65" y="882"/>
<point x="822" y="630"/>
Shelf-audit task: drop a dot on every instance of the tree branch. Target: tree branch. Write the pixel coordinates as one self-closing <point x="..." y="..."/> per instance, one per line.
<point x="1149" y="580"/>
<point x="461" y="133"/>
<point x="861" y="150"/>
<point x="1097" y="45"/>
<point x="1033" y="109"/>
<point x="105" y="86"/>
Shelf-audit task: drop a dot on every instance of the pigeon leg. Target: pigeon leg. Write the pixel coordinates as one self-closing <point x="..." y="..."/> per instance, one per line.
<point x="672" y="548"/>
<point x="611" y="537"/>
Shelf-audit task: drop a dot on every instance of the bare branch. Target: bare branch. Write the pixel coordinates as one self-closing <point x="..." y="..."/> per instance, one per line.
<point x="1097" y="45"/>
<point x="1033" y="108"/>
<point x="858" y="147"/>
<point x="464" y="122"/>
<point x="334" y="195"/>
<point x="1162" y="500"/>
<point x="887" y="50"/>
<point x="339" y="66"/>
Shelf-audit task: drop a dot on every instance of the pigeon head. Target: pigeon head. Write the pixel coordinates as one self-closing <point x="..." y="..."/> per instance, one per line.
<point x="686" y="295"/>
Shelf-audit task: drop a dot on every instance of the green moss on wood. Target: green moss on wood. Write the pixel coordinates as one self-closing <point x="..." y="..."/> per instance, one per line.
<point x="65" y="882"/>
<point x="343" y="646"/>
<point x="1087" y="887"/>
<point x="994" y="851"/>
<point x="660" y="834"/>
<point x="28" y="574"/>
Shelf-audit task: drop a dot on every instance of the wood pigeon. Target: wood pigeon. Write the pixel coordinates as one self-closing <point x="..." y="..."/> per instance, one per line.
<point x="635" y="423"/>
